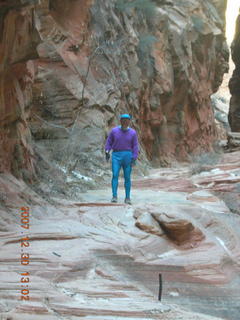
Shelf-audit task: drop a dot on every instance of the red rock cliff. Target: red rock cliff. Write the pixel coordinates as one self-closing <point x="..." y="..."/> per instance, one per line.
<point x="18" y="39"/>
<point x="69" y="68"/>
<point x="234" y="84"/>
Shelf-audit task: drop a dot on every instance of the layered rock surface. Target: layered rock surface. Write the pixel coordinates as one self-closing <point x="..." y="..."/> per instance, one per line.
<point x="18" y="40"/>
<point x="69" y="68"/>
<point x="89" y="259"/>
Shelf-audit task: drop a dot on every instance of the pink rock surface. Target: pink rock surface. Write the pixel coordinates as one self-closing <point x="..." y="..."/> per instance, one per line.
<point x="88" y="259"/>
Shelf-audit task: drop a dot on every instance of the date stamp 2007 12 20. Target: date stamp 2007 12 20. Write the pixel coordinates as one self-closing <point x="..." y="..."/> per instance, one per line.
<point x="25" y="256"/>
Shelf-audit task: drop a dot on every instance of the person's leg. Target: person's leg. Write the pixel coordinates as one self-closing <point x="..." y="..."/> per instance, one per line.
<point x="127" y="169"/>
<point x="127" y="177"/>
<point x="116" y="165"/>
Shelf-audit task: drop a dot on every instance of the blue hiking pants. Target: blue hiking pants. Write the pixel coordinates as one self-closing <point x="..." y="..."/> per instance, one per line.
<point x="121" y="159"/>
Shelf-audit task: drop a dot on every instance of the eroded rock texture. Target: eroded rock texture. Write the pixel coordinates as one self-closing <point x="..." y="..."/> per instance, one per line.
<point x="18" y="39"/>
<point x="159" y="61"/>
<point x="234" y="84"/>
<point x="88" y="260"/>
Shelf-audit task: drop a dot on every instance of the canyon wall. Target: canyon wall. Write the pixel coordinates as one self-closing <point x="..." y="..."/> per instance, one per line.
<point x="234" y="83"/>
<point x="70" y="67"/>
<point x="18" y="40"/>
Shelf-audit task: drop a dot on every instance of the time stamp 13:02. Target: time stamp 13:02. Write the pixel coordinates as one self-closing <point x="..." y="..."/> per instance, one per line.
<point x="25" y="256"/>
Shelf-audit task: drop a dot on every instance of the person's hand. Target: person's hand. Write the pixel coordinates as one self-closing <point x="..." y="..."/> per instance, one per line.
<point x="107" y="155"/>
<point x="133" y="162"/>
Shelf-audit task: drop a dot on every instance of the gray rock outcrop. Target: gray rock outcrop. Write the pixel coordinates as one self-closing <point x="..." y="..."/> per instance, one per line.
<point x="69" y="68"/>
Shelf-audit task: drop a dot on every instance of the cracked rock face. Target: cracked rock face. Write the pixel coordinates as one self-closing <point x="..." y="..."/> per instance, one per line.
<point x="18" y="40"/>
<point x="234" y="83"/>
<point x="69" y="68"/>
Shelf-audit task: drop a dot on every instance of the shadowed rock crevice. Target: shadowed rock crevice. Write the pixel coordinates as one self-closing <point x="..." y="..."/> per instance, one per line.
<point x="234" y="83"/>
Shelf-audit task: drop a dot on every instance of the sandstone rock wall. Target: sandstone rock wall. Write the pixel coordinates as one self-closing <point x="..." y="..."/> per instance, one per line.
<point x="18" y="39"/>
<point x="234" y="84"/>
<point x="157" y="60"/>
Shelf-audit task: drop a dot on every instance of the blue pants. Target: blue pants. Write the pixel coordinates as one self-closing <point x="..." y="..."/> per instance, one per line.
<point x="121" y="159"/>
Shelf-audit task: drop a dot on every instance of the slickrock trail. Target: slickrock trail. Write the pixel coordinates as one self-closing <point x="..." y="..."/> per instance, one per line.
<point x="68" y="70"/>
<point x="90" y="259"/>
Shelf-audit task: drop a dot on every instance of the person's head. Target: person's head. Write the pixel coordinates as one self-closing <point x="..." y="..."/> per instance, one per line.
<point x="125" y="120"/>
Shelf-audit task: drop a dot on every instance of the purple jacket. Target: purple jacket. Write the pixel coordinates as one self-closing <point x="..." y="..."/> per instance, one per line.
<point x="119" y="139"/>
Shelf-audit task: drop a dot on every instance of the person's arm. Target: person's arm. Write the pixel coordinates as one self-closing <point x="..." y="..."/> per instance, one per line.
<point x="109" y="142"/>
<point x="108" y="145"/>
<point x="135" y="147"/>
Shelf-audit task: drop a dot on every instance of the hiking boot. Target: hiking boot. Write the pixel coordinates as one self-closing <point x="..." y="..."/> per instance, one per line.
<point x="114" y="199"/>
<point x="128" y="201"/>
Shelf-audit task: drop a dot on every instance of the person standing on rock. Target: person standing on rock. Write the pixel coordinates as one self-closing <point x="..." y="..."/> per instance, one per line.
<point x="123" y="142"/>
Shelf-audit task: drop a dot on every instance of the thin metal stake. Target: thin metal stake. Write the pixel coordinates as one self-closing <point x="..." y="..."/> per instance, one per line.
<point x="160" y="287"/>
